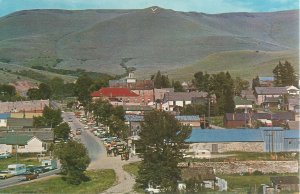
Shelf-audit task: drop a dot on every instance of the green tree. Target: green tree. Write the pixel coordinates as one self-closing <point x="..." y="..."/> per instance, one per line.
<point x="160" y="81"/>
<point x="255" y="83"/>
<point x="161" y="139"/>
<point x="239" y="85"/>
<point x="284" y="74"/>
<point x="102" y="110"/>
<point x="177" y="86"/>
<point x="57" y="87"/>
<point x="222" y="87"/>
<point x="62" y="131"/>
<point x="39" y="121"/>
<point x="45" y="91"/>
<point x="52" y="117"/>
<point x="194" y="109"/>
<point x="202" y="81"/>
<point x="118" y="127"/>
<point x="74" y="160"/>
<point x="82" y="89"/>
<point x="7" y="92"/>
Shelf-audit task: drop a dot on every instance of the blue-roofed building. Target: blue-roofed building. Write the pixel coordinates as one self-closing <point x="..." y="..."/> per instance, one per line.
<point x="3" y="119"/>
<point x="246" y="140"/>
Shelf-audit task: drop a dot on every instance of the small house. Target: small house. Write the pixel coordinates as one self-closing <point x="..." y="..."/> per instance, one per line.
<point x="237" y="120"/>
<point x="285" y="183"/>
<point x="202" y="174"/>
<point x="3" y="119"/>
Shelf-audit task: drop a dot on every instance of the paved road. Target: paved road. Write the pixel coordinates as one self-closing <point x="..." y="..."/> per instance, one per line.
<point x="16" y="180"/>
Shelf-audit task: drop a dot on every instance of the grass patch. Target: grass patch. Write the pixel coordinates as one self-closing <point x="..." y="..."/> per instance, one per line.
<point x="248" y="183"/>
<point x="100" y="180"/>
<point x="22" y="159"/>
<point x="133" y="169"/>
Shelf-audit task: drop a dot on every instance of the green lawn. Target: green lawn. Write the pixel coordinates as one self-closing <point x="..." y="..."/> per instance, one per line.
<point x="248" y="183"/>
<point x="217" y="120"/>
<point x="22" y="159"/>
<point x="100" y="180"/>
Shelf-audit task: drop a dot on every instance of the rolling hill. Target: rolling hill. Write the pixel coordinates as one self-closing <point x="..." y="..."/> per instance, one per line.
<point x="98" y="40"/>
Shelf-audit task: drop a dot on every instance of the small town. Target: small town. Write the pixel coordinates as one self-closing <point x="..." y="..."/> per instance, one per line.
<point x="99" y="122"/>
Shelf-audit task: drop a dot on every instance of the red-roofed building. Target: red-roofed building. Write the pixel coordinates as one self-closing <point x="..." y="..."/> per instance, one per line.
<point x="121" y="94"/>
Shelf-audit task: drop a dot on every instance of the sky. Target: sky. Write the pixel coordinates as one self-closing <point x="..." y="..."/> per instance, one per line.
<point x="206" y="6"/>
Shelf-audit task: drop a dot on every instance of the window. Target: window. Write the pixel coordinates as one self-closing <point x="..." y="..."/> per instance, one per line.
<point x="22" y="147"/>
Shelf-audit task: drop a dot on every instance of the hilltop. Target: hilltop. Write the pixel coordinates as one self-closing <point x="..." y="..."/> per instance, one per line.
<point x="98" y="40"/>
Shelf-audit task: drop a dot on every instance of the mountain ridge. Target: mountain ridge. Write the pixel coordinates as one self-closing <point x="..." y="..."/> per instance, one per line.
<point x="154" y="37"/>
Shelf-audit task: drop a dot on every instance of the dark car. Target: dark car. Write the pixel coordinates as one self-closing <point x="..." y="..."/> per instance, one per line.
<point x="29" y="176"/>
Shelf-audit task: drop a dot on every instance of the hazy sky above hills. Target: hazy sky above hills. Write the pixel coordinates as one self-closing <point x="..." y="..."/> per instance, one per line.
<point x="206" y="6"/>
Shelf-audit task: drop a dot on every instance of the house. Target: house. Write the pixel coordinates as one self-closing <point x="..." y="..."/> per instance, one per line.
<point x="3" y="119"/>
<point x="278" y="118"/>
<point x="137" y="109"/>
<point x="263" y="92"/>
<point x="292" y="90"/>
<point x="293" y="103"/>
<point x="237" y="120"/>
<point x="266" y="81"/>
<point x="174" y="99"/>
<point x="203" y="174"/>
<point x="190" y="120"/>
<point x="285" y="183"/>
<point x="248" y="94"/>
<point x="160" y="93"/>
<point x="16" y="143"/>
<point x="23" y="106"/>
<point x="242" y="103"/>
<point x="265" y="139"/>
<point x="124" y="95"/>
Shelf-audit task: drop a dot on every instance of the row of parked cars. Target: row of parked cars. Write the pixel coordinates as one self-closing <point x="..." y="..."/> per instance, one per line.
<point x="28" y="172"/>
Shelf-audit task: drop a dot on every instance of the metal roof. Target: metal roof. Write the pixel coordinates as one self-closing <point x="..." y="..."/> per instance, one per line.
<point x="225" y="135"/>
<point x="13" y="139"/>
<point x="4" y="115"/>
<point x="270" y="90"/>
<point x="292" y="134"/>
<point x="188" y="118"/>
<point x="134" y="118"/>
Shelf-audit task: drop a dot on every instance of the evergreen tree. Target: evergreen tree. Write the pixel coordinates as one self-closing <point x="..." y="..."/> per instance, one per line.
<point x="202" y="81"/>
<point x="239" y="85"/>
<point x="289" y="77"/>
<point x="255" y="83"/>
<point x="161" y="139"/>
<point x="177" y="86"/>
<point x="82" y="89"/>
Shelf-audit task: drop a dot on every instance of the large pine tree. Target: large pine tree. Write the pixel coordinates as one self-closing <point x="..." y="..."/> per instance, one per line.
<point x="161" y="139"/>
<point x="284" y="75"/>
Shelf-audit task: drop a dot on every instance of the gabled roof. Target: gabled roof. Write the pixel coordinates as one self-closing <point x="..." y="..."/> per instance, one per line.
<point x="237" y="116"/>
<point x="114" y="92"/>
<point x="186" y="96"/>
<point x="240" y="101"/>
<point x="275" y="116"/>
<point x="43" y="135"/>
<point x="19" y="122"/>
<point x="15" y="139"/>
<point x="270" y="90"/>
<point x="285" y="180"/>
<point x="188" y="118"/>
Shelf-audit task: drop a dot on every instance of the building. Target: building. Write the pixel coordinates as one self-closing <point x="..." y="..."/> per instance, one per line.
<point x="285" y="183"/>
<point x="181" y="99"/>
<point x="295" y="125"/>
<point x="263" y="93"/>
<point x="143" y="88"/>
<point x="3" y="119"/>
<point x="190" y="120"/>
<point x="160" y="93"/>
<point x="242" y="103"/>
<point x="19" y="123"/>
<point x="248" y="94"/>
<point x="237" y="120"/>
<point x="264" y="139"/>
<point x="123" y="95"/>
<point x="202" y="174"/>
<point x="16" y="143"/>
<point x="23" y="106"/>
<point x="137" y="109"/>
<point x="293" y="103"/>
<point x="28" y="115"/>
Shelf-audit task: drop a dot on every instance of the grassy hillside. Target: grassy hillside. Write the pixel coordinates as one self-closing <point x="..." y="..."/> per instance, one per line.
<point x="245" y="64"/>
<point x="8" y="73"/>
<point x="98" y="40"/>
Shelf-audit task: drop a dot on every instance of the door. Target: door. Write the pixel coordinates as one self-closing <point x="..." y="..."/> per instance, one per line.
<point x="214" y="148"/>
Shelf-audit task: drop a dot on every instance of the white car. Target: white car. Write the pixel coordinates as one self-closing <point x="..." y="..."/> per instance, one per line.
<point x="152" y="190"/>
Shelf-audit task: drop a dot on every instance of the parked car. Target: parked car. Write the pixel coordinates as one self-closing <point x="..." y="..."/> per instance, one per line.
<point x="29" y="176"/>
<point x="34" y="169"/>
<point x="5" y="174"/>
<point x="152" y="190"/>
<point x="5" y="155"/>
